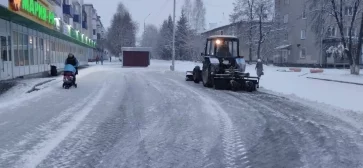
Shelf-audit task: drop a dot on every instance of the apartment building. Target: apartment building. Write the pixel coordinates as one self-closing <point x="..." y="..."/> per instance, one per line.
<point x="300" y="45"/>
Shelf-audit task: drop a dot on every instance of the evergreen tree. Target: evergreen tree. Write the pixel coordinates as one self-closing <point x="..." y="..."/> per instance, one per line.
<point x="182" y="38"/>
<point x="122" y="32"/>
<point x="164" y="41"/>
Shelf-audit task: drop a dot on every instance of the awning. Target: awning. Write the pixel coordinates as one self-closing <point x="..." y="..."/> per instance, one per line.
<point x="286" y="46"/>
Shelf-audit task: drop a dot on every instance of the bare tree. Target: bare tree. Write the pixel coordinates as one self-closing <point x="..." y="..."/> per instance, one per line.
<point x="263" y="10"/>
<point x="343" y="14"/>
<point x="244" y="11"/>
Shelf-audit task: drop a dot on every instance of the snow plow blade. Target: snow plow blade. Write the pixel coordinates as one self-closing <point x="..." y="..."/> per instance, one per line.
<point x="236" y="81"/>
<point x="189" y="76"/>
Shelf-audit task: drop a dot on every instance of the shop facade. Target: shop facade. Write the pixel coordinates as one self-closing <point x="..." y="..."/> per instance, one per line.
<point x="30" y="44"/>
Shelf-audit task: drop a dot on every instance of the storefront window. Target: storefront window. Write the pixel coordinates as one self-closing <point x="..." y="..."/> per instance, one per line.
<point x="41" y="51"/>
<point x="20" y="50"/>
<point x="26" y="49"/>
<point x="31" y="50"/>
<point x="16" y="46"/>
<point x="36" y="48"/>
<point x="4" y="50"/>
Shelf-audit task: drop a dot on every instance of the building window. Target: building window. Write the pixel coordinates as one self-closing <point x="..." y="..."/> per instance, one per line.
<point x="303" y="34"/>
<point x="331" y="32"/>
<point x="349" y="11"/>
<point x="94" y="31"/>
<point x="347" y="32"/>
<point x="304" y="14"/>
<point x="284" y="56"/>
<point x="286" y="37"/>
<point x="286" y="18"/>
<point x="302" y="53"/>
<point x="287" y="2"/>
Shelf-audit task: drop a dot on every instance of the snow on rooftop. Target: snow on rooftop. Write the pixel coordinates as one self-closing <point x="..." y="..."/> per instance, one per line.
<point x="222" y="36"/>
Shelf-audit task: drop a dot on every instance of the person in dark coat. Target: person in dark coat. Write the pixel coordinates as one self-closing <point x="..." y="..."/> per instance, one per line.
<point x="259" y="68"/>
<point x="73" y="61"/>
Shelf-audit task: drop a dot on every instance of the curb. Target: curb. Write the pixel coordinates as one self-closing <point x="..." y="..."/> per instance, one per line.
<point x="338" y="81"/>
<point x="39" y="84"/>
<point x="5" y="86"/>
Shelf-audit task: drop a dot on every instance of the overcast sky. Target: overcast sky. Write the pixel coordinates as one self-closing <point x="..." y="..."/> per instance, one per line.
<point x="160" y="9"/>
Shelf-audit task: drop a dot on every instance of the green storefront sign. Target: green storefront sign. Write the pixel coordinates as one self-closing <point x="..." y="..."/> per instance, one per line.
<point x="36" y="9"/>
<point x="76" y="35"/>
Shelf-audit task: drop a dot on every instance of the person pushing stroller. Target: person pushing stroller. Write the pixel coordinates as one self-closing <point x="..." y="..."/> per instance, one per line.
<point x="70" y="71"/>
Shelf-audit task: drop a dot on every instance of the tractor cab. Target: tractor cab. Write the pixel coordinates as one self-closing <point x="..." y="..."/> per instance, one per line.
<point x="222" y="52"/>
<point x="222" y="46"/>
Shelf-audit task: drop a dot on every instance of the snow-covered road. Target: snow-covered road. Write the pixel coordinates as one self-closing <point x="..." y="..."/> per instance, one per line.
<point x="136" y="117"/>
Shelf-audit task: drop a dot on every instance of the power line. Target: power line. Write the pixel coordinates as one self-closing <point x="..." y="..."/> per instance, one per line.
<point x="161" y="8"/>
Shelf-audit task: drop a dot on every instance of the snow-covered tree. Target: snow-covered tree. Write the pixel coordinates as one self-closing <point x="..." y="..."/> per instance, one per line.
<point x="337" y="52"/>
<point x="198" y="16"/>
<point x="182" y="38"/>
<point x="149" y="39"/>
<point x="188" y="10"/>
<point x="164" y="41"/>
<point x="122" y="32"/>
<point x="255" y="25"/>
<point x="340" y="15"/>
<point x="263" y="10"/>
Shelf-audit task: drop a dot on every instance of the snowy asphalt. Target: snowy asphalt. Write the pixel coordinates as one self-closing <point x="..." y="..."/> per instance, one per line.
<point x="135" y="117"/>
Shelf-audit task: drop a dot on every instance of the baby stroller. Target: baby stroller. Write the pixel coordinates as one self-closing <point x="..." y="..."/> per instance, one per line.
<point x="69" y="76"/>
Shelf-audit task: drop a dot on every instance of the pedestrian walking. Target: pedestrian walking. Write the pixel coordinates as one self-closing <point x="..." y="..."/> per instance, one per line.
<point x="101" y="59"/>
<point x="97" y="58"/>
<point x="259" y="68"/>
<point x="110" y="58"/>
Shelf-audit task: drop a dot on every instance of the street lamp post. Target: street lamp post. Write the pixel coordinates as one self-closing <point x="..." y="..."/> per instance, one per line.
<point x="145" y="21"/>
<point x="173" y="54"/>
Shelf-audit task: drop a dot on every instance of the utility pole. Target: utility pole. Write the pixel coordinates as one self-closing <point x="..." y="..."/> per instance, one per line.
<point x="173" y="56"/>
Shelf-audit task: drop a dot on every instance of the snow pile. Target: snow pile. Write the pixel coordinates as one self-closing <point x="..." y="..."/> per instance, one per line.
<point x="295" y="84"/>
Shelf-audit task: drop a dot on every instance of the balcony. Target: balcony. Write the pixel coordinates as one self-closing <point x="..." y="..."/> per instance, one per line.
<point x="76" y="18"/>
<point x="67" y="9"/>
<point x="84" y="25"/>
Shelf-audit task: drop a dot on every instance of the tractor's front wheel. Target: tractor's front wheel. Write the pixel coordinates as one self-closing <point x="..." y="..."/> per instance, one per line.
<point x="207" y="77"/>
<point x="196" y="74"/>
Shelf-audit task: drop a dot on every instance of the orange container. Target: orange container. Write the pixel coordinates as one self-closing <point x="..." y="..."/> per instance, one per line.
<point x="295" y="69"/>
<point x="316" y="70"/>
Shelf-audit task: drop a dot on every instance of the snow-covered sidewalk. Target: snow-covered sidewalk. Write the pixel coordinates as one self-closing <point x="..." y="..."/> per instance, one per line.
<point x="19" y="92"/>
<point x="297" y="85"/>
<point x="338" y="75"/>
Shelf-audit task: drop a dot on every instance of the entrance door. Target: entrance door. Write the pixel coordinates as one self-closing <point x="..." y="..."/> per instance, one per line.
<point x="5" y="59"/>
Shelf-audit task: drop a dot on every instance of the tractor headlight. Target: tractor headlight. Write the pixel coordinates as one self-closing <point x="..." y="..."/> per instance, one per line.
<point x="226" y="62"/>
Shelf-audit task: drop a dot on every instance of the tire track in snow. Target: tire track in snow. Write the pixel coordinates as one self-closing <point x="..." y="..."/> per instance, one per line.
<point x="41" y="132"/>
<point x="235" y="154"/>
<point x="316" y="142"/>
<point x="40" y="152"/>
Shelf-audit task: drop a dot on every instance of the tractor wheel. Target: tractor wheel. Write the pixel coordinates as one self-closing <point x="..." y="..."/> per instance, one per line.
<point x="251" y="86"/>
<point x="207" y="77"/>
<point x="196" y="74"/>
